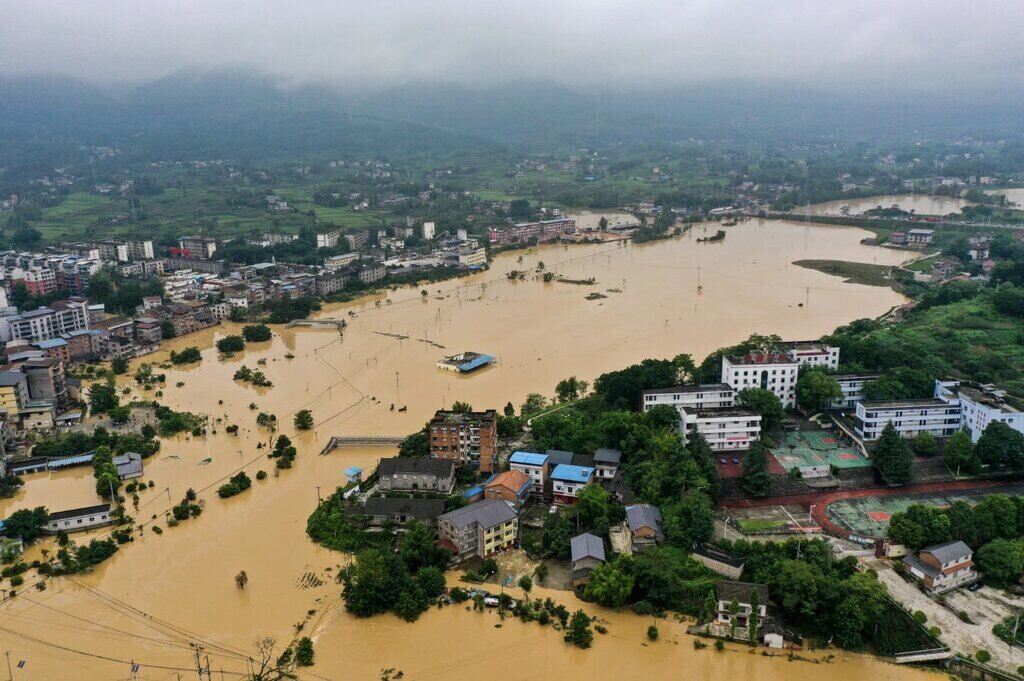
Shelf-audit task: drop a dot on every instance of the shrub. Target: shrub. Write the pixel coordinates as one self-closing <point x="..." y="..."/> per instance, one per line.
<point x="231" y="344"/>
<point x="719" y="644"/>
<point x="255" y="333"/>
<point x="304" y="652"/>
<point x="920" y="617"/>
<point x="237" y="484"/>
<point x="983" y="656"/>
<point x="652" y="633"/>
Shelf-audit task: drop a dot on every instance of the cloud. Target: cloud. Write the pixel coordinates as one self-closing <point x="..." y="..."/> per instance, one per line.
<point x="927" y="44"/>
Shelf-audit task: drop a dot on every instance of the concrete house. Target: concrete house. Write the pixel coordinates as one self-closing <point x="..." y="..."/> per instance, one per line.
<point x="416" y="474"/>
<point x="943" y="567"/>
<point x="481" y="529"/>
<point x="567" y="480"/>
<point x="587" y="552"/>
<point x="743" y="594"/>
<point x="76" y="519"/>
<point x="129" y="465"/>
<point x="535" y="467"/>
<point x="606" y="463"/>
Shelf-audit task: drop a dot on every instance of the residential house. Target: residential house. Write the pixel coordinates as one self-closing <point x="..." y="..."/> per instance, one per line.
<point x="481" y="529"/>
<point x="943" y="567"/>
<point x="920" y="237"/>
<point x="467" y="438"/>
<point x="512" y="486"/>
<point x="400" y="512"/>
<point x="644" y="522"/>
<point x="606" y="463"/>
<point x="736" y="600"/>
<point x="13" y="393"/>
<point x="567" y="480"/>
<point x="416" y="474"/>
<point x="129" y="465"/>
<point x="534" y="465"/>
<point x="587" y="552"/>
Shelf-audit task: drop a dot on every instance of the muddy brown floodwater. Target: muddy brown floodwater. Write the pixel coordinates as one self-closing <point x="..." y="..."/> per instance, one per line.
<point x="162" y="593"/>
<point x="922" y="204"/>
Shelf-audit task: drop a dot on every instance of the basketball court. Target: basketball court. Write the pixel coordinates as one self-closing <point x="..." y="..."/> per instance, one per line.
<point x="813" y="448"/>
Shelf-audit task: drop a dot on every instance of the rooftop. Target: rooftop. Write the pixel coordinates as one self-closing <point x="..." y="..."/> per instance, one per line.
<point x="685" y="389"/>
<point x="722" y="412"/>
<point x="78" y="512"/>
<point x="586" y="546"/>
<point x="487" y="513"/>
<point x="906" y="404"/>
<point x="416" y="465"/>
<point x="517" y="481"/>
<point x="643" y="515"/>
<point x="948" y="551"/>
<point x="423" y="509"/>
<point x="741" y="591"/>
<point x="570" y="473"/>
<point x="607" y="456"/>
<point x="757" y="358"/>
<point x="528" y="458"/>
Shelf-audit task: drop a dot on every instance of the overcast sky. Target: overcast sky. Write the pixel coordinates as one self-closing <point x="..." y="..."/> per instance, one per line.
<point x="935" y="44"/>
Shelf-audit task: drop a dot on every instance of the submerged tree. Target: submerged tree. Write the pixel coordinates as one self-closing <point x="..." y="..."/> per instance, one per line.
<point x="241" y="579"/>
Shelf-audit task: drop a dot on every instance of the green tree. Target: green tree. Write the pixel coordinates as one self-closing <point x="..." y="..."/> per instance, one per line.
<point x="765" y="403"/>
<point x="925" y="444"/>
<point x="756" y="478"/>
<point x="231" y="344"/>
<point x="958" y="454"/>
<point x="509" y="410"/>
<point x="256" y="333"/>
<point x="526" y="584"/>
<point x="816" y="390"/>
<point x="462" y="407"/>
<point x="579" y="633"/>
<point x="1000" y="447"/>
<point x="535" y="402"/>
<point x="416" y="444"/>
<point x="892" y="457"/>
<point x="609" y="585"/>
<point x="418" y="550"/>
<point x="689" y="520"/>
<point x="119" y="365"/>
<point x="430" y="580"/>
<point x="1002" y="561"/>
<point x="102" y="397"/>
<point x="304" y="652"/>
<point x="26" y="524"/>
<point x="303" y="419"/>
<point x="798" y="583"/>
<point x="571" y="388"/>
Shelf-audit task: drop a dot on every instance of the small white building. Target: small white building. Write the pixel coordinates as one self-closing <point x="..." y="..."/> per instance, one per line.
<point x="980" y="405"/>
<point x="724" y="428"/>
<point x="606" y="463"/>
<point x="938" y="417"/>
<point x="533" y="465"/>
<point x="707" y="395"/>
<point x="77" y="519"/>
<point x="852" y="386"/>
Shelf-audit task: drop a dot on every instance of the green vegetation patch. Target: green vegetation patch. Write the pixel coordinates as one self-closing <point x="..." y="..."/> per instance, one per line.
<point x="851" y="272"/>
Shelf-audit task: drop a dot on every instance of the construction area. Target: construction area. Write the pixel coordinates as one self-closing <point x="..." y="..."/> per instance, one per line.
<point x="817" y="450"/>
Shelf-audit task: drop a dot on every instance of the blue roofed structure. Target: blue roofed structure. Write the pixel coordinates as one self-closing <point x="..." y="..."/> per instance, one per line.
<point x="51" y="343"/>
<point x="528" y="458"/>
<point x="570" y="473"/>
<point x="465" y="361"/>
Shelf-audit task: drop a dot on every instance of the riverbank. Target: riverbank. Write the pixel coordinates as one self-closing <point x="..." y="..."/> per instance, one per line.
<point x="854" y="272"/>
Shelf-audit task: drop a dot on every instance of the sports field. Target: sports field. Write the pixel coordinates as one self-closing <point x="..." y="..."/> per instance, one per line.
<point x="805" y="448"/>
<point x="869" y="516"/>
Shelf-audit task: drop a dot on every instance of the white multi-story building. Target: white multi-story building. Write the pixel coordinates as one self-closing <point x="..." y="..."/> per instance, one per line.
<point x="814" y="354"/>
<point x="201" y="247"/>
<point x="777" y="371"/>
<point x="534" y="465"/>
<point x="705" y="396"/>
<point x="724" y="428"/>
<point x="328" y="239"/>
<point x="940" y="417"/>
<point x="428" y="231"/>
<point x="980" y="405"/>
<point x="49" y="322"/>
<point x="852" y="386"/>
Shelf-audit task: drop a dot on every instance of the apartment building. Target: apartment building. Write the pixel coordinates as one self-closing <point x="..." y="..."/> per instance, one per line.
<point x="814" y="354"/>
<point x="705" y="396"/>
<point x="772" y="371"/>
<point x="938" y="417"/>
<point x="467" y="438"/>
<point x="980" y="405"/>
<point x="544" y="230"/>
<point x="43" y="323"/>
<point x="13" y="393"/>
<point x="481" y="529"/>
<point x="199" y="247"/>
<point x="724" y="428"/>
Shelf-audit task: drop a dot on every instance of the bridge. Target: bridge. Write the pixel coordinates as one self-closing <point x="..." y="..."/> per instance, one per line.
<point x="361" y="441"/>
<point x="323" y="323"/>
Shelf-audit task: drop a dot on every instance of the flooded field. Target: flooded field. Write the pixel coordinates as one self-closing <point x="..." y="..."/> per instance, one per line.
<point x="162" y="593"/>
<point x="591" y="219"/>
<point x="922" y="204"/>
<point x="1014" y="195"/>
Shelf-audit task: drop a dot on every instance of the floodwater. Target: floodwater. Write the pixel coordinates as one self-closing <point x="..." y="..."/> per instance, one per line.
<point x="162" y="593"/>
<point x="591" y="219"/>
<point x="922" y="204"/>
<point x="1014" y="195"/>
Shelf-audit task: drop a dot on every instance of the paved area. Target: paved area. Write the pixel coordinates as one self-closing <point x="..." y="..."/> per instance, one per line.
<point x="869" y="516"/>
<point x="805" y="448"/>
<point x="986" y="607"/>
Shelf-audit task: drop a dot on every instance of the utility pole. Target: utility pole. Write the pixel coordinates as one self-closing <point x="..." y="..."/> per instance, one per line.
<point x="10" y="674"/>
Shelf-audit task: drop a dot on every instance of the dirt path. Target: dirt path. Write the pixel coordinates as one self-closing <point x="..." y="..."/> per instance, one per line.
<point x="985" y="607"/>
